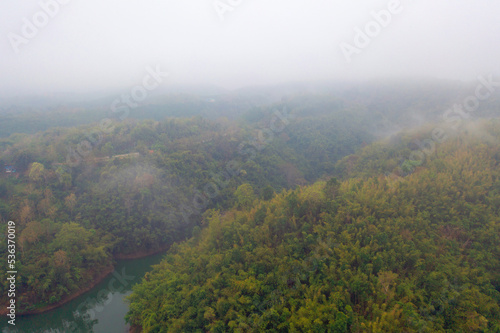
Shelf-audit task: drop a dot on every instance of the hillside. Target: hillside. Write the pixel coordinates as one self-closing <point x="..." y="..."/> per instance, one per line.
<point x="383" y="250"/>
<point x="84" y="196"/>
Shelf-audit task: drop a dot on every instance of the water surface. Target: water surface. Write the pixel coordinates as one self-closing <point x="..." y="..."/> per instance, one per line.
<point x="101" y="310"/>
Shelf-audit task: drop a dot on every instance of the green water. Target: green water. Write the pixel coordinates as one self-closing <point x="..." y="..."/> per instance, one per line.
<point x="101" y="310"/>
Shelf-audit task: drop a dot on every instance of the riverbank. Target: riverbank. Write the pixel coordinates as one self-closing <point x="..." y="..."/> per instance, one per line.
<point x="95" y="281"/>
<point x="138" y="329"/>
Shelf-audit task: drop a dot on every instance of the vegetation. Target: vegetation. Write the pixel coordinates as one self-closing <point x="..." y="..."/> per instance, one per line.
<point x="378" y="251"/>
<point x="83" y="196"/>
<point x="280" y="220"/>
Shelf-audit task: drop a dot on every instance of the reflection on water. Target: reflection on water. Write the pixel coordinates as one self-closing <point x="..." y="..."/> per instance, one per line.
<point x="101" y="310"/>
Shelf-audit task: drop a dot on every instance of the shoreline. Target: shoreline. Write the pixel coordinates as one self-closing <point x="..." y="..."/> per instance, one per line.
<point x="71" y="297"/>
<point x="95" y="281"/>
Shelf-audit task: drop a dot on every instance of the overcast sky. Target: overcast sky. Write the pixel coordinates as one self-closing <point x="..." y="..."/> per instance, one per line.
<point x="90" y="45"/>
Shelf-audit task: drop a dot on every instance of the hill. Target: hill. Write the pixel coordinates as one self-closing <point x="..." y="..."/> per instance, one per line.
<point x="368" y="254"/>
<point x="83" y="196"/>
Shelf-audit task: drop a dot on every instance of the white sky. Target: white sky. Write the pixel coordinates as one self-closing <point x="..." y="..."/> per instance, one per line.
<point x="91" y="45"/>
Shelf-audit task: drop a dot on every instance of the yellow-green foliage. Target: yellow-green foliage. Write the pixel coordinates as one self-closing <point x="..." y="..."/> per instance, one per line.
<point x="420" y="254"/>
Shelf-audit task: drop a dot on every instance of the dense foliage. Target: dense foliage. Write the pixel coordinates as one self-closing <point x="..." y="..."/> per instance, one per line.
<point x="83" y="196"/>
<point x="125" y="186"/>
<point x="385" y="250"/>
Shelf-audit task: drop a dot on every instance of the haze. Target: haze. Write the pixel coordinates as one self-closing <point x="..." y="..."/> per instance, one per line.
<point x="102" y="45"/>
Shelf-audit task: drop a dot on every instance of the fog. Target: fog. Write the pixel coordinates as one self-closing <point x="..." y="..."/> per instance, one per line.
<point x="89" y="46"/>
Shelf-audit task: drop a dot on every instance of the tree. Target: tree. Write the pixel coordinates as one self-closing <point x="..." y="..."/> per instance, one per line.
<point x="268" y="193"/>
<point x="244" y="195"/>
<point x="386" y="280"/>
<point x="108" y="149"/>
<point x="64" y="177"/>
<point x="72" y="238"/>
<point x="37" y="172"/>
<point x="70" y="202"/>
<point x="332" y="188"/>
<point x="26" y="214"/>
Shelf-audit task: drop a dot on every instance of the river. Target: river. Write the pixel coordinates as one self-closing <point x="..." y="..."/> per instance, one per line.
<point x="100" y="310"/>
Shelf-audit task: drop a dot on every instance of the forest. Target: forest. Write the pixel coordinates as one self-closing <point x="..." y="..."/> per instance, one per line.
<point x="321" y="212"/>
<point x="83" y="196"/>
<point x="213" y="166"/>
<point x="381" y="249"/>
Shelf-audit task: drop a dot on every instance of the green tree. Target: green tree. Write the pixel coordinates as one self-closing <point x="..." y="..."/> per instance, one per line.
<point x="267" y="193"/>
<point x="108" y="149"/>
<point x="37" y="172"/>
<point x="244" y="195"/>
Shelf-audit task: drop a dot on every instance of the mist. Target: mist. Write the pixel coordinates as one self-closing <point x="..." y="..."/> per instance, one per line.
<point x="72" y="46"/>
